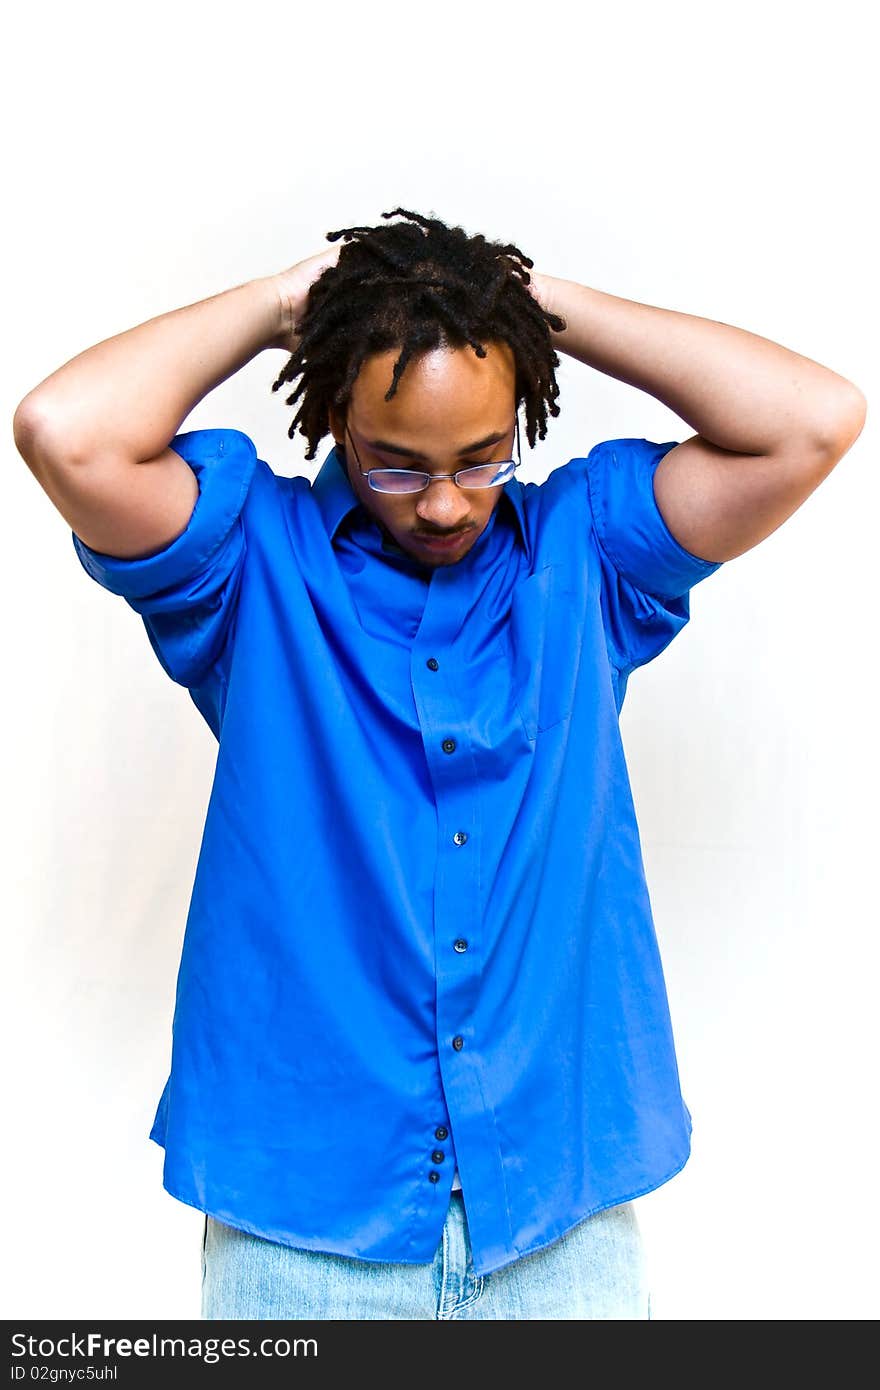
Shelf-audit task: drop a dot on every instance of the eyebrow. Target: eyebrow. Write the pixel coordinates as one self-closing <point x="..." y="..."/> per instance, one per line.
<point x="384" y="447"/>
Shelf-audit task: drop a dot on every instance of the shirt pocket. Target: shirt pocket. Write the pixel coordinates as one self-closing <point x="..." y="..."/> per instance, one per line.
<point x="540" y="642"/>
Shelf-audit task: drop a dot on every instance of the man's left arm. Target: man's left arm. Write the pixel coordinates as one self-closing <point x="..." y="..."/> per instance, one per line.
<point x="770" y="423"/>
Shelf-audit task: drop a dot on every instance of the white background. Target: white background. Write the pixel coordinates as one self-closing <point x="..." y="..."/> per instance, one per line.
<point x="716" y="160"/>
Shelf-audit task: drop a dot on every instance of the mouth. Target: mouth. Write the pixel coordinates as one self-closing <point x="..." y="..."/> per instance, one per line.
<point x="442" y="542"/>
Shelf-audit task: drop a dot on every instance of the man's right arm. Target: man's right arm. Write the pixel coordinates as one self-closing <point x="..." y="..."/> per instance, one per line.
<point x="96" y="432"/>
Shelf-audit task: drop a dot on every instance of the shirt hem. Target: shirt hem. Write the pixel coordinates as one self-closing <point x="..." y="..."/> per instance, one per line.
<point x="320" y="1246"/>
<point x="594" y="1211"/>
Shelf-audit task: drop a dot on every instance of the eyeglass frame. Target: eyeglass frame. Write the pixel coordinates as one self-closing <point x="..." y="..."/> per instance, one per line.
<point x="435" y="477"/>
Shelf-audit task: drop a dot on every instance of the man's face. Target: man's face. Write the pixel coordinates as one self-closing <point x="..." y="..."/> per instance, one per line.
<point x="452" y="410"/>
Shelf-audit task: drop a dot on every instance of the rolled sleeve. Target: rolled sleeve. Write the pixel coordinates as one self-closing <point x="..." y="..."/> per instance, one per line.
<point x="223" y="462"/>
<point x="629" y="523"/>
<point x="648" y="574"/>
<point x="187" y="592"/>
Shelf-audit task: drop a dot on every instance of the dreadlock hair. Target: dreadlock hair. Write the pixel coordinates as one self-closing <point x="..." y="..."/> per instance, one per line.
<point x="416" y="285"/>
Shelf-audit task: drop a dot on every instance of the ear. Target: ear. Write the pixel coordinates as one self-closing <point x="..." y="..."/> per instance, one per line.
<point x="337" y="425"/>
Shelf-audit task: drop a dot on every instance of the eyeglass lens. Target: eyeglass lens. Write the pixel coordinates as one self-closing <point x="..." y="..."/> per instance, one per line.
<point x="407" y="480"/>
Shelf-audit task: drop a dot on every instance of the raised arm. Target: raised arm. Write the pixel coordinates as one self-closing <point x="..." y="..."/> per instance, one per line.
<point x="96" y="432"/>
<point x="770" y="423"/>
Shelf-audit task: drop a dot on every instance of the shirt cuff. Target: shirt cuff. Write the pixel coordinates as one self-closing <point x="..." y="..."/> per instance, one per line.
<point x="629" y="523"/>
<point x="223" y="461"/>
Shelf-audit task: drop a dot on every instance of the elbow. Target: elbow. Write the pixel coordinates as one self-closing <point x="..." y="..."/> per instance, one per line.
<point x="844" y="423"/>
<point x="26" y="428"/>
<point x="39" y="435"/>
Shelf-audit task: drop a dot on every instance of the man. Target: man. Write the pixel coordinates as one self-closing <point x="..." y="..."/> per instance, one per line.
<point x="422" y="1061"/>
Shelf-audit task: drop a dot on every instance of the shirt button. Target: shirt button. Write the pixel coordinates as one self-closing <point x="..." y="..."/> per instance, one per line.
<point x="432" y="663"/>
<point x="437" y="1156"/>
<point x="448" y="745"/>
<point x="460" y="945"/>
<point x="458" y="1043"/>
<point x="460" y="837"/>
<point x="433" y="1177"/>
<point x="441" y="1132"/>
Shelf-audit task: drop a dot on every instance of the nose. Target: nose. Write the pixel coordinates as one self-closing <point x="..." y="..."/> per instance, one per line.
<point x="443" y="505"/>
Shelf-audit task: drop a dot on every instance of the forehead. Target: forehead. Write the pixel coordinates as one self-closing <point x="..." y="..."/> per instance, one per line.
<point x="445" y="389"/>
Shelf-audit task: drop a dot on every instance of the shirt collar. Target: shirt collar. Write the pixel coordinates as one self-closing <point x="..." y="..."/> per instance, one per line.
<point x="336" y="497"/>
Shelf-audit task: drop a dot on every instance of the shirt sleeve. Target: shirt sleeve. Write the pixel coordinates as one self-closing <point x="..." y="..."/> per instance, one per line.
<point x="647" y="575"/>
<point x="187" y="593"/>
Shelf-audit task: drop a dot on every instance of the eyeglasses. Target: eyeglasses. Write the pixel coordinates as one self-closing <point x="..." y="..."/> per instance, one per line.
<point x="482" y="475"/>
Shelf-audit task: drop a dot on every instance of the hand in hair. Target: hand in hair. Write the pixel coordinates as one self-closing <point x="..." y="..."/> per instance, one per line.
<point x="414" y="285"/>
<point x="293" y="288"/>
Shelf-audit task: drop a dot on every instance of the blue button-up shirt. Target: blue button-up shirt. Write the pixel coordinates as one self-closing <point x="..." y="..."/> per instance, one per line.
<point x="419" y="935"/>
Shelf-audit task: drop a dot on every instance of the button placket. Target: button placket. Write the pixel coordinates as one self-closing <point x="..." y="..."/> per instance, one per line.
<point x="442" y="689"/>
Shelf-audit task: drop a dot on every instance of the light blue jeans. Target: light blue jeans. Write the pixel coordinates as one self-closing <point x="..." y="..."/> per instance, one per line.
<point x="595" y="1270"/>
